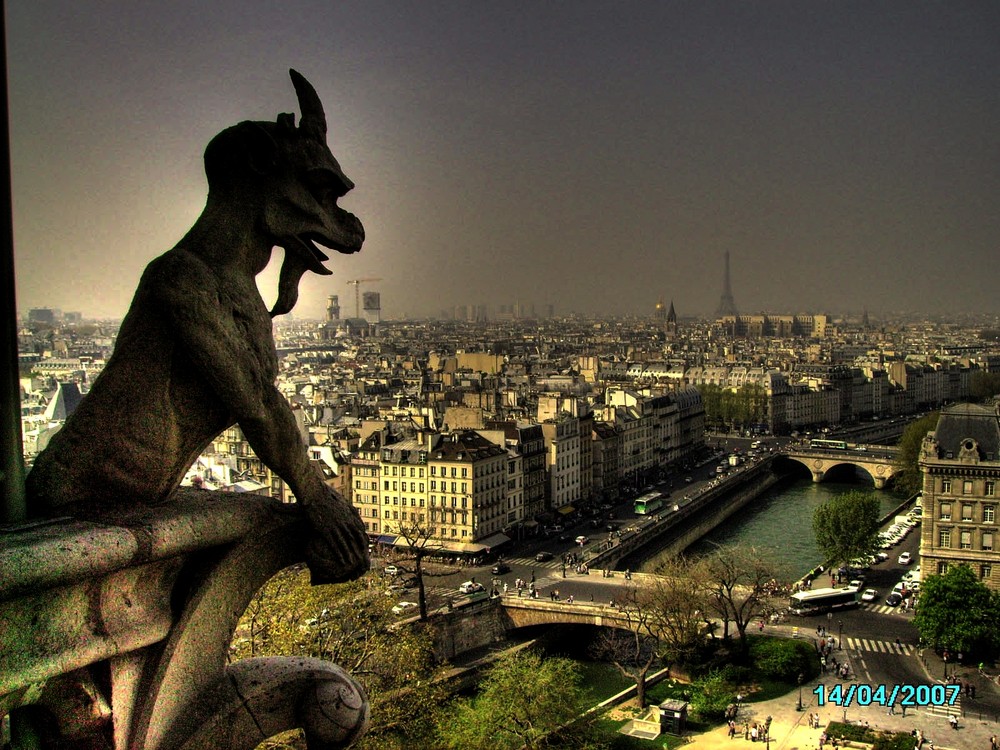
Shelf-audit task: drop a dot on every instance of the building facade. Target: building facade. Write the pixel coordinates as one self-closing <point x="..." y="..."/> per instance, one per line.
<point x="960" y="461"/>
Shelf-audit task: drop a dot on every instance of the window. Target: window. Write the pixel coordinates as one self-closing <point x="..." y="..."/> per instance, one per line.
<point x="945" y="514"/>
<point x="946" y="485"/>
<point x="989" y="513"/>
<point x="965" y="539"/>
<point x="944" y="538"/>
<point x="465" y="472"/>
<point x="990" y="490"/>
<point x="967" y="487"/>
<point x="966" y="511"/>
<point x="985" y="571"/>
<point x="942" y="567"/>
<point x="987" y="541"/>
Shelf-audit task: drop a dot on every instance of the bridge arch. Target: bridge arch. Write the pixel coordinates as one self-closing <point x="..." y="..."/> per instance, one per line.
<point x="881" y="470"/>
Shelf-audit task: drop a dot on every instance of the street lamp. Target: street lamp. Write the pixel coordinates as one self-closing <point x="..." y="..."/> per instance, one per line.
<point x="801" y="678"/>
<point x="840" y="635"/>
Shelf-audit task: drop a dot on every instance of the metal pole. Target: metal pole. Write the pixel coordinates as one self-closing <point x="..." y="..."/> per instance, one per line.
<point x="13" y="508"/>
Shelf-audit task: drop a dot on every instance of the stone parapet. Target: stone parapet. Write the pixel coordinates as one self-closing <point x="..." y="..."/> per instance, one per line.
<point x="115" y="632"/>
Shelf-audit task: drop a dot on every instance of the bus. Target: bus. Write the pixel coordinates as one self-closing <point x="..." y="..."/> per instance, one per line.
<point x="818" y="601"/>
<point x="648" y="503"/>
<point x="824" y="444"/>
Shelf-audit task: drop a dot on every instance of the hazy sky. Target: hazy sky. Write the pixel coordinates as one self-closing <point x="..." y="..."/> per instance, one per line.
<point x="595" y="156"/>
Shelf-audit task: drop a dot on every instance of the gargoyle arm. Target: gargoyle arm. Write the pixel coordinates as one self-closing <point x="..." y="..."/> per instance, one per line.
<point x="237" y="369"/>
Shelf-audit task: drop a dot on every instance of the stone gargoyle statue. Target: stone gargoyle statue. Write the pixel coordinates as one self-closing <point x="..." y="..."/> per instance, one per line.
<point x="195" y="352"/>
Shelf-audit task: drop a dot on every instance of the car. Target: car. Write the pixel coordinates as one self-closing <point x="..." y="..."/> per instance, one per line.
<point x="904" y="559"/>
<point x="857" y="583"/>
<point x="557" y="528"/>
<point x="893" y="599"/>
<point x="500" y="568"/>
<point x="471" y="587"/>
<point x="870" y="595"/>
<point x="688" y="480"/>
<point x="402" y="607"/>
<point x="543" y="556"/>
<point x="581" y="540"/>
<point x="882" y="556"/>
<point x="391" y="570"/>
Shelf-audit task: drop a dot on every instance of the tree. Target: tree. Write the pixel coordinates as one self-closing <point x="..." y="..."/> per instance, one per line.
<point x="522" y="699"/>
<point x="846" y="527"/>
<point x="679" y="602"/>
<point x="908" y="480"/>
<point x="635" y="647"/>
<point x="742" y="584"/>
<point x="350" y="624"/>
<point x="984" y="385"/>
<point x="959" y="613"/>
<point x="420" y="542"/>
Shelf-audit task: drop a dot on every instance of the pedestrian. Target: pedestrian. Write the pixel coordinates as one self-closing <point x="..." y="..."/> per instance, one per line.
<point x="732" y="730"/>
<point x="993" y="743"/>
<point x="760" y="626"/>
<point x="953" y="720"/>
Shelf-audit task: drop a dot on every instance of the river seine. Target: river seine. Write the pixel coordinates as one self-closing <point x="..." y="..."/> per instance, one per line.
<point x="782" y="520"/>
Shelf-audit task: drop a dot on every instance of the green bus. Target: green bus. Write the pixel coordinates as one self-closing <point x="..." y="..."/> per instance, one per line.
<point x="648" y="503"/>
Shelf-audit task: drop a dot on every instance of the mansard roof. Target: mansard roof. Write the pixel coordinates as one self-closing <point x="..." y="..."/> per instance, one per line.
<point x="964" y="422"/>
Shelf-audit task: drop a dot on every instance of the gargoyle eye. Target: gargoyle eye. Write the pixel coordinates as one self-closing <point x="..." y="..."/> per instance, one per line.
<point x="324" y="182"/>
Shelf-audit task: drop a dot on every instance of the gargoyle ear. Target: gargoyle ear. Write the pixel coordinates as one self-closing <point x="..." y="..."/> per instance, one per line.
<point x="286" y="122"/>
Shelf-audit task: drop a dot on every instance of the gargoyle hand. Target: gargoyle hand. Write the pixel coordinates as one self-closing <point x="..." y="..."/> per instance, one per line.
<point x="337" y="546"/>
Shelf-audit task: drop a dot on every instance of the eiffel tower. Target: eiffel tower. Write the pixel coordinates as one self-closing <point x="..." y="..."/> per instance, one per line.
<point x="726" y="305"/>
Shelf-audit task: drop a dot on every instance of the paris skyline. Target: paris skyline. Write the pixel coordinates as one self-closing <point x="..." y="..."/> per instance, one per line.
<point x="597" y="158"/>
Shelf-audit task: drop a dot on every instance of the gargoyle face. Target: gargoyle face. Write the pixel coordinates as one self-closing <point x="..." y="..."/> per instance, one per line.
<point x="302" y="209"/>
<point x="292" y="171"/>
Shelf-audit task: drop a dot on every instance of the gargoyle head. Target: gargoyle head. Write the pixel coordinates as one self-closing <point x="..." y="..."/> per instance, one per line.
<point x="298" y="181"/>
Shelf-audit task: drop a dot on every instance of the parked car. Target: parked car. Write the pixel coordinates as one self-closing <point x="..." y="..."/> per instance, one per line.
<point x="893" y="599"/>
<point x="500" y="568"/>
<point x="471" y="587"/>
<point x="391" y="570"/>
<point x="870" y="595"/>
<point x="581" y="540"/>
<point x="402" y="607"/>
<point x="904" y="559"/>
<point x="543" y="556"/>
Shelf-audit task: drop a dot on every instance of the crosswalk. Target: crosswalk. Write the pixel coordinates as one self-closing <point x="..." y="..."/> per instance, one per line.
<point x="882" y="647"/>
<point x="885" y="609"/>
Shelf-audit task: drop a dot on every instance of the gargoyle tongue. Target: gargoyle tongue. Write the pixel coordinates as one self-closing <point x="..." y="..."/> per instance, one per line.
<point x="299" y="258"/>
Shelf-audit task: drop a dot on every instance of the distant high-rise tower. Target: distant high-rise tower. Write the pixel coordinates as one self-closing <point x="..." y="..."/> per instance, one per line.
<point x="726" y="305"/>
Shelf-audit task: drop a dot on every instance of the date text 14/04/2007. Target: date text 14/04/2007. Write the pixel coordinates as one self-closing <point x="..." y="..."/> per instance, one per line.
<point x="887" y="695"/>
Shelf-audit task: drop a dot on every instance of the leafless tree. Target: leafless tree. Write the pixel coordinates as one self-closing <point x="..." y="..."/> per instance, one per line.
<point x="634" y="647"/>
<point x="742" y="583"/>
<point x="421" y="542"/>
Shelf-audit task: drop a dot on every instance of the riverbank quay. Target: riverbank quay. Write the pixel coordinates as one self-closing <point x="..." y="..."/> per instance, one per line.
<point x="690" y="517"/>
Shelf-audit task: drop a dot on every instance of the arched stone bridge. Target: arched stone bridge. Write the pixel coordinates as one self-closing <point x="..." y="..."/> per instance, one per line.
<point x="879" y="461"/>
<point x="523" y="612"/>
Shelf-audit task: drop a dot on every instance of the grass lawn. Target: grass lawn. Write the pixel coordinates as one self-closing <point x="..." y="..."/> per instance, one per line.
<point x="600" y="682"/>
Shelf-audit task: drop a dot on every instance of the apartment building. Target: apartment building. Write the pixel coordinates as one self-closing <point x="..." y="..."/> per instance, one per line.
<point x="960" y="461"/>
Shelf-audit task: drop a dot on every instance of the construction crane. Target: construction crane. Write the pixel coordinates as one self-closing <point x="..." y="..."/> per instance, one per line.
<point x="357" y="294"/>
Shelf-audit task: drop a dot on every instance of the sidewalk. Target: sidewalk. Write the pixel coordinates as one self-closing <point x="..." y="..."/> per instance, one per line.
<point x="790" y="727"/>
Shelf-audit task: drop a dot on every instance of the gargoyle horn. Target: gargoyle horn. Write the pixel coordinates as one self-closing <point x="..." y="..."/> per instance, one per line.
<point x="313" y="122"/>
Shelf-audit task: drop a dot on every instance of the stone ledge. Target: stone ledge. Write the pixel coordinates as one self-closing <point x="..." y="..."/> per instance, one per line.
<point x="58" y="552"/>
